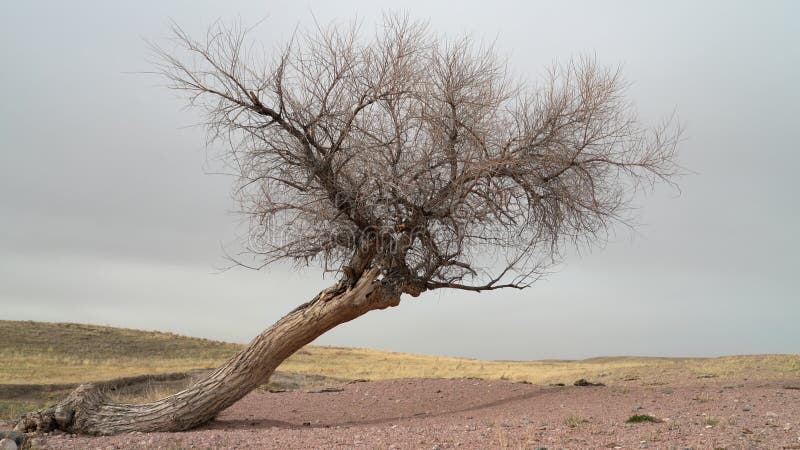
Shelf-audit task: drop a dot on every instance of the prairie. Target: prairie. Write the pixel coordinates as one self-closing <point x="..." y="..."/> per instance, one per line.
<point x="63" y="354"/>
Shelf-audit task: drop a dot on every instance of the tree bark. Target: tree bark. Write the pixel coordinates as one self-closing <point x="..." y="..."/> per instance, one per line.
<point x="87" y="410"/>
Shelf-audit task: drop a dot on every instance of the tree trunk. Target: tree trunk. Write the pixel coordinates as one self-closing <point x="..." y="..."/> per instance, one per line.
<point x="88" y="411"/>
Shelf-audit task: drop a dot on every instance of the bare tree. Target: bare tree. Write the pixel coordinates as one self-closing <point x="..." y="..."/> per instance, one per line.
<point x="405" y="162"/>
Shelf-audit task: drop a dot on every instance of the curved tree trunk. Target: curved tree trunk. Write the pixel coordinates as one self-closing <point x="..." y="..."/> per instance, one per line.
<point x="88" y="411"/>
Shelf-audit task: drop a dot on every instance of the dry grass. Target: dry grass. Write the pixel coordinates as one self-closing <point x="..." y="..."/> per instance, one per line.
<point x="11" y="409"/>
<point x="37" y="352"/>
<point x="574" y="421"/>
<point x="40" y="352"/>
<point x="375" y="364"/>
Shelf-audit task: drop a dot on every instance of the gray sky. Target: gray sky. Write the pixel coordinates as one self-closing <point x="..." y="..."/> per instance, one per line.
<point x="107" y="215"/>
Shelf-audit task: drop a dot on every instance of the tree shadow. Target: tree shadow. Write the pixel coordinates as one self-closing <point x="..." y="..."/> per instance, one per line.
<point x="310" y="421"/>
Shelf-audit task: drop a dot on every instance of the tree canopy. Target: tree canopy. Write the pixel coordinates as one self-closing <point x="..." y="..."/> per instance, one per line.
<point x="417" y="155"/>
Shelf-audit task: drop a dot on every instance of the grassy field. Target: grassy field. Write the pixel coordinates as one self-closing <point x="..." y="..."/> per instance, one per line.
<point x="41" y="353"/>
<point x="374" y="364"/>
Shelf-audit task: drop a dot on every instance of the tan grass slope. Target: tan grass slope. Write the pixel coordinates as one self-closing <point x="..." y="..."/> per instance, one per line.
<point x="41" y="352"/>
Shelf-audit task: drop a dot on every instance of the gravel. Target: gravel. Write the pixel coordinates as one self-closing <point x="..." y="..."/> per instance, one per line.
<point x="470" y="413"/>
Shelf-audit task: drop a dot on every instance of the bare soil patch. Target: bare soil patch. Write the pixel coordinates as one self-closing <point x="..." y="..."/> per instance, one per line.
<point x="472" y="413"/>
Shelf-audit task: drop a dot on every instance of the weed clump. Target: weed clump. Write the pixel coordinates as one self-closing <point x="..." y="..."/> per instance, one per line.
<point x="574" y="421"/>
<point x="639" y="418"/>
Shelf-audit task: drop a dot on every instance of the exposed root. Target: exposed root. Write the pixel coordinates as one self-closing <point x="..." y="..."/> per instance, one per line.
<point x="66" y="414"/>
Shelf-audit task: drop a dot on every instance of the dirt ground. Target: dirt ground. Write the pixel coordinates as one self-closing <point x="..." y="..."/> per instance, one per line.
<point x="472" y="413"/>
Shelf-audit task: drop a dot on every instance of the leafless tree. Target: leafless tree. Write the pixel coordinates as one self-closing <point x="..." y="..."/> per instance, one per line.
<point x="404" y="161"/>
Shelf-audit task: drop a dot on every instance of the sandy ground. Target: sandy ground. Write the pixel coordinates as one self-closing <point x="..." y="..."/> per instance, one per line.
<point x="471" y="413"/>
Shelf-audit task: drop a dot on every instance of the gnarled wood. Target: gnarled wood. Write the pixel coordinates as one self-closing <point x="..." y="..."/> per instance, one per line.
<point x="87" y="410"/>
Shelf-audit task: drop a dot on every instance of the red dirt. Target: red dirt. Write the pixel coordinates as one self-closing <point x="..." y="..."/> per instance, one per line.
<point x="469" y="413"/>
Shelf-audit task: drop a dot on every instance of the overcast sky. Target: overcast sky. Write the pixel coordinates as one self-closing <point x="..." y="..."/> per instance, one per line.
<point x="107" y="214"/>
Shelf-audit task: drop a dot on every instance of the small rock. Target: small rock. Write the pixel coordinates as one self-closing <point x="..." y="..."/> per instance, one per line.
<point x="745" y="409"/>
<point x="524" y="421"/>
<point x="326" y="390"/>
<point x="638" y="407"/>
<point x="8" y="444"/>
<point x="15" y="436"/>
<point x="585" y="382"/>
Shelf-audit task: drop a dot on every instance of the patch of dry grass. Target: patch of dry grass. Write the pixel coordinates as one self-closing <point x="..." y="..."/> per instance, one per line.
<point x="41" y="352"/>
<point x="574" y="421"/>
<point x="12" y="409"/>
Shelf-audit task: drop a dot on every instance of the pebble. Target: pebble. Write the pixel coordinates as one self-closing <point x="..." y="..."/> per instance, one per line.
<point x="15" y="436"/>
<point x="8" y="444"/>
